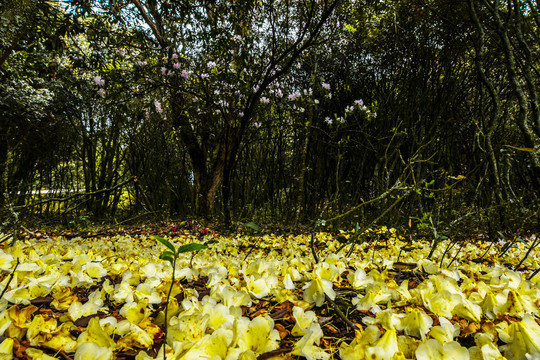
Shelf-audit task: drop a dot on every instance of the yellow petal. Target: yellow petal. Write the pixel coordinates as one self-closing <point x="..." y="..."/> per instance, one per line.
<point x="136" y="337"/>
<point x="384" y="348"/>
<point x="95" y="269"/>
<point x="211" y="346"/>
<point x="36" y="354"/>
<point x="6" y="349"/>
<point x="303" y="321"/>
<point x="257" y="335"/>
<point x="63" y="298"/>
<point x="434" y="350"/>
<point x="445" y="332"/>
<point x="94" y="333"/>
<point x="524" y="339"/>
<point x="20" y="320"/>
<point x="6" y="261"/>
<point x="307" y="345"/>
<point x="92" y="351"/>
<point x="136" y="312"/>
<point x="416" y="323"/>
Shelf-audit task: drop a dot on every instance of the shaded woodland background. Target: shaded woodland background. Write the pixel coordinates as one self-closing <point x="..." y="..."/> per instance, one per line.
<point x="271" y="111"/>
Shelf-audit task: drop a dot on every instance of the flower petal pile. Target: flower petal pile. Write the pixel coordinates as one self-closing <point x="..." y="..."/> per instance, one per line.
<point x="105" y="298"/>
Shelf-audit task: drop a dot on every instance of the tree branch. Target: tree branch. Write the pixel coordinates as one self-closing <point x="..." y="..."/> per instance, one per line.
<point x="150" y="23"/>
<point x="133" y="178"/>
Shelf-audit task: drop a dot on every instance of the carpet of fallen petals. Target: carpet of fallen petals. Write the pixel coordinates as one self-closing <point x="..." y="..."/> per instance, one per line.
<point x="263" y="297"/>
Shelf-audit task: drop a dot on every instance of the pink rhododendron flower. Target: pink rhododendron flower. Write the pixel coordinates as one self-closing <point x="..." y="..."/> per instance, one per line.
<point x="99" y="81"/>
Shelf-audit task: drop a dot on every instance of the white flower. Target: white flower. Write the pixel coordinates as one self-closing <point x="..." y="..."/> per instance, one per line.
<point x="294" y="96"/>
<point x="158" y="107"/>
<point x="99" y="81"/>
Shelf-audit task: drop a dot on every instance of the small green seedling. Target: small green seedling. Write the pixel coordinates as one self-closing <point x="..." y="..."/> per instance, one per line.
<point x="253" y="226"/>
<point x="171" y="256"/>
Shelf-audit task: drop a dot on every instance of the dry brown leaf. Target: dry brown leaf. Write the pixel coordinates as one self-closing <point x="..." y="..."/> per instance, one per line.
<point x="282" y="331"/>
<point x="470" y="329"/>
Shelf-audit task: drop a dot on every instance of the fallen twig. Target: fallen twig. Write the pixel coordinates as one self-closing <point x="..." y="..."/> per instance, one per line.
<point x="10" y="278"/>
<point x="340" y="313"/>
<point x="312" y="242"/>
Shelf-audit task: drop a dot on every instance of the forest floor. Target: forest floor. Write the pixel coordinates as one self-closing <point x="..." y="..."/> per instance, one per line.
<point x="102" y="294"/>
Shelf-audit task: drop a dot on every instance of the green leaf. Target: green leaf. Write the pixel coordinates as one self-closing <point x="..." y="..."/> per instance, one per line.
<point x="252" y="225"/>
<point x="165" y="242"/>
<point x="167" y="253"/>
<point x="191" y="247"/>
<point x="167" y="258"/>
<point x="350" y="28"/>
<point x="210" y="242"/>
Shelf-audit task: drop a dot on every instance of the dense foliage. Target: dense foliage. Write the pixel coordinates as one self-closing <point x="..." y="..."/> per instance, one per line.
<point x="272" y="110"/>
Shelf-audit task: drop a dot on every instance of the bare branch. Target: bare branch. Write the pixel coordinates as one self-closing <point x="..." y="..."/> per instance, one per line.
<point x="133" y="178"/>
<point x="150" y="23"/>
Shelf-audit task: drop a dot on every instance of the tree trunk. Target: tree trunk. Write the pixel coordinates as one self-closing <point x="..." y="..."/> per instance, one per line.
<point x="511" y="67"/>
<point x="300" y="200"/>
